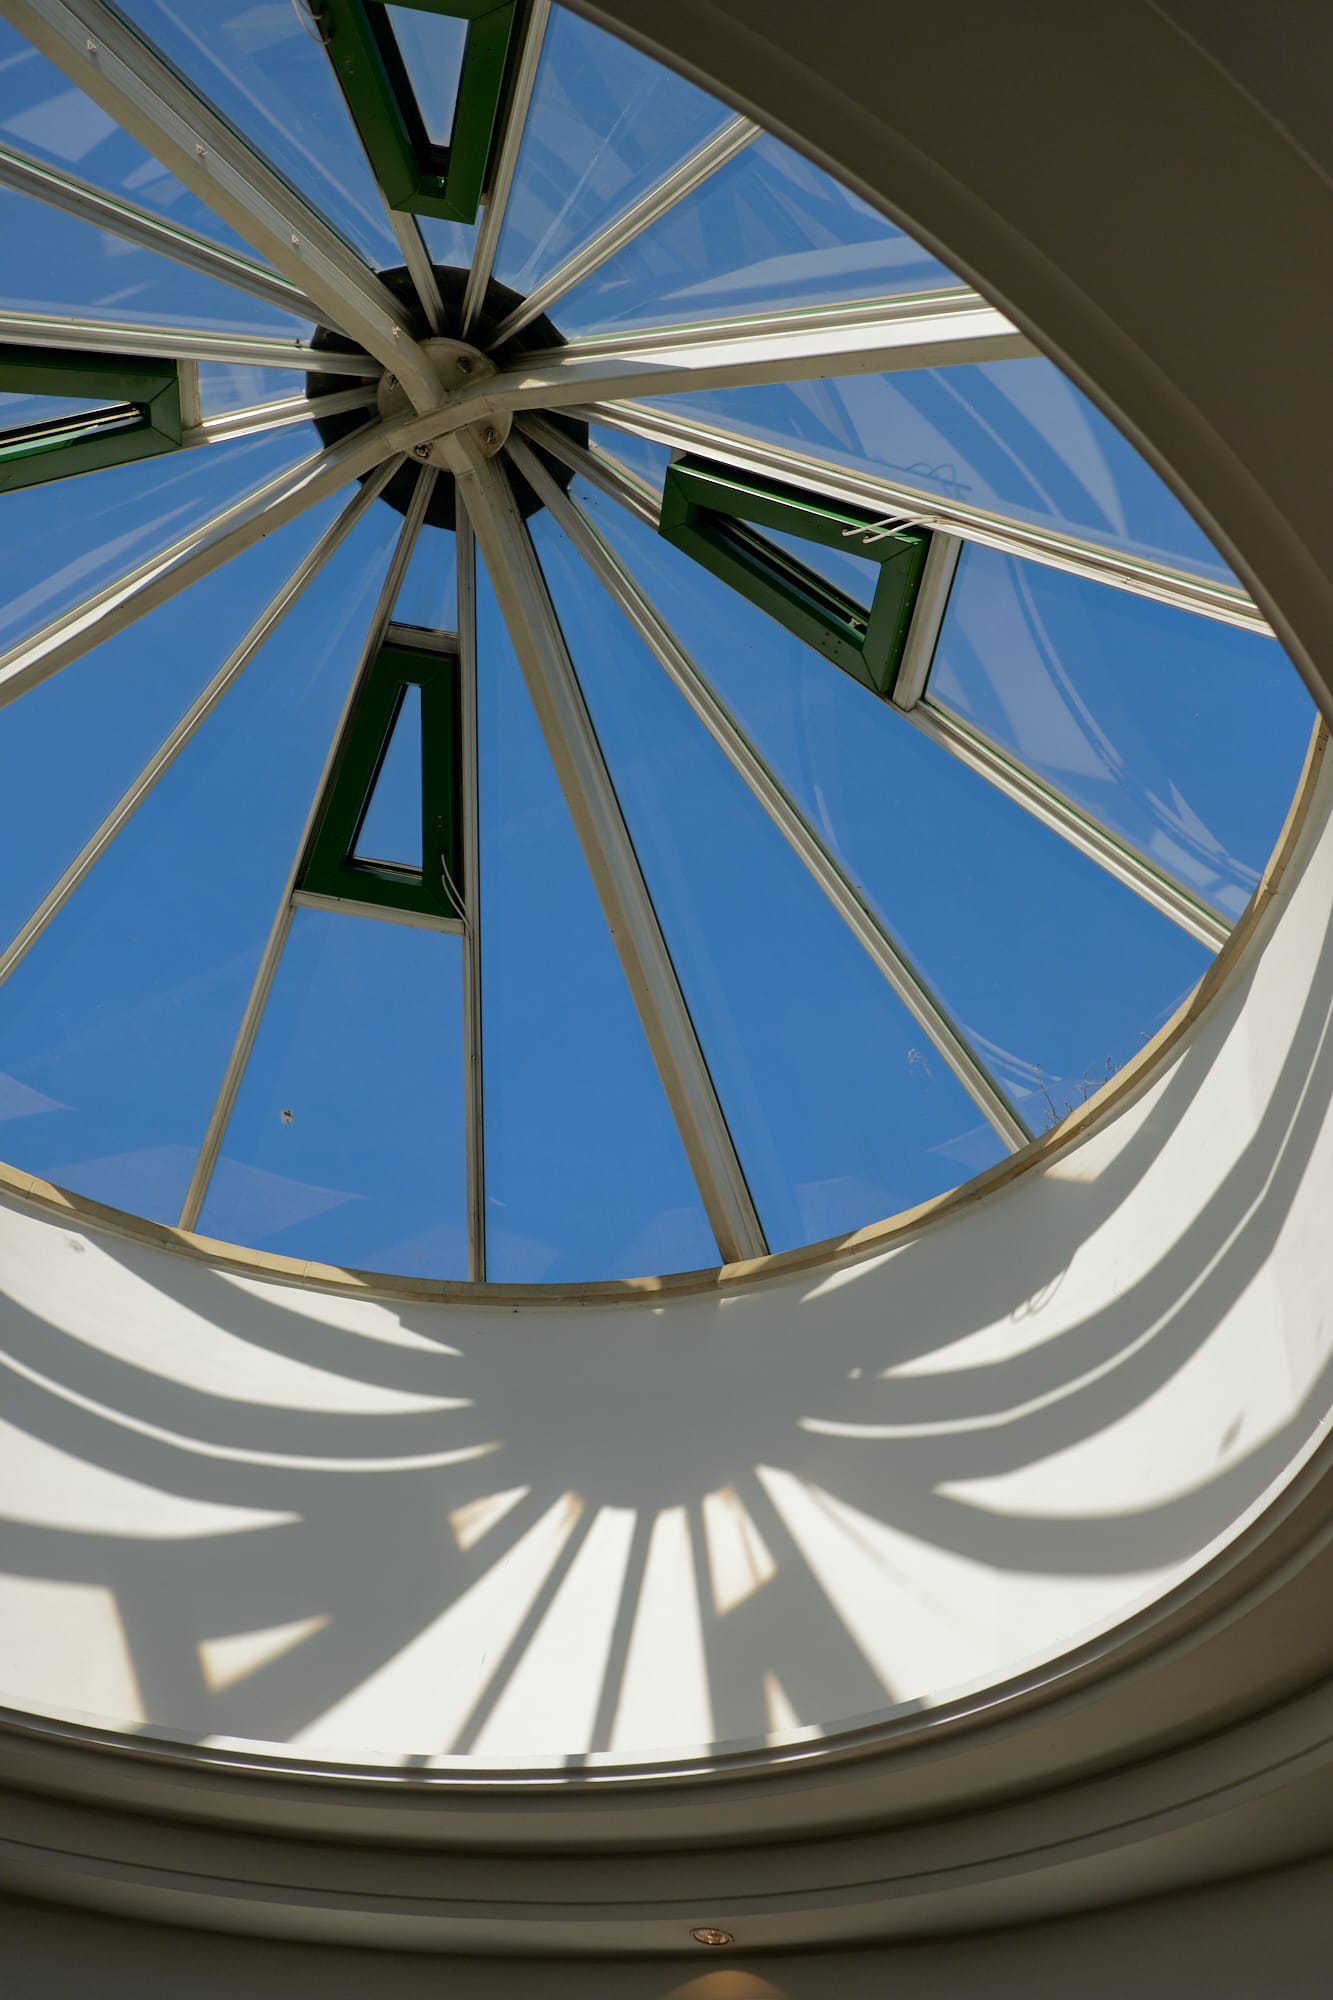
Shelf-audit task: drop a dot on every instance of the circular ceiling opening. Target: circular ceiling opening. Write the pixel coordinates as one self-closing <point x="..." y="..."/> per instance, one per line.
<point x="816" y="758"/>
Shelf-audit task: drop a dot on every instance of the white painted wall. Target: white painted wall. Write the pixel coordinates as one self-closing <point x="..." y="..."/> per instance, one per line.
<point x="234" y="1509"/>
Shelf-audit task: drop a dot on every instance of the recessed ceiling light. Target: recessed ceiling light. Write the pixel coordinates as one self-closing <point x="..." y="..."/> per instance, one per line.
<point x="705" y="1935"/>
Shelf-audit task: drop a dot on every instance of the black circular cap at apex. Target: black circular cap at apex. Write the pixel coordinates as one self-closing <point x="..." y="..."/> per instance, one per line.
<point x="498" y="303"/>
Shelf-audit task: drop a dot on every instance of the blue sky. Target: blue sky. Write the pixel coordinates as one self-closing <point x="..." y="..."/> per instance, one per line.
<point x="347" y="1140"/>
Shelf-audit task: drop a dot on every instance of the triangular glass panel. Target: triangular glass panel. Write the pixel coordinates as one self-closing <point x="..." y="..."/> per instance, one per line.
<point x="54" y="554"/>
<point x="60" y="264"/>
<point x="1132" y="710"/>
<point x="841" y="1109"/>
<point x="606" y="124"/>
<point x="432" y="48"/>
<point x="74" y="744"/>
<point x="44" y="116"/>
<point x="586" y="1176"/>
<point x="391" y="829"/>
<point x="356" y="1161"/>
<point x="767" y="231"/>
<point x="124" y="1014"/>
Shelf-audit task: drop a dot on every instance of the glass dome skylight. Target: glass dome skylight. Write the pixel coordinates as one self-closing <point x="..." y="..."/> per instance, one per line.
<point x="574" y="704"/>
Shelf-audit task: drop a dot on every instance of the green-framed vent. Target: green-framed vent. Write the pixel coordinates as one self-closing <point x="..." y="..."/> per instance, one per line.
<point x="421" y="173"/>
<point x="715" y="516"/>
<point x="335" y="865"/>
<point x="126" y="407"/>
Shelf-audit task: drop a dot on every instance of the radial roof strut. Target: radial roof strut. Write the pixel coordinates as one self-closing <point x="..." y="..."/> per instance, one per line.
<point x="211" y="1143"/>
<point x="150" y="232"/>
<point x="927" y="332"/>
<point x="248" y="350"/>
<point x="194" y="717"/>
<point x="502" y="179"/>
<point x="608" y="849"/>
<point x="786" y="816"/>
<point x="253" y="418"/>
<point x="100" y="52"/>
<point x="1227" y="603"/>
<point x="683" y="179"/>
<point x="474" y="1103"/>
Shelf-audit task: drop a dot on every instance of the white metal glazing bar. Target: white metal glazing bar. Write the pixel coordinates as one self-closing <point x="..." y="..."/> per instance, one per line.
<point x="74" y="632"/>
<point x="473" y="1072"/>
<point x="194" y="717"/>
<point x="277" y="415"/>
<point x="487" y="240"/>
<point x="572" y="744"/>
<point x="673" y="187"/>
<point x="104" y="56"/>
<point x="1225" y="602"/>
<point x="211" y="1143"/>
<point x="407" y="234"/>
<point x="150" y="232"/>
<point x="1092" y="839"/>
<point x="777" y="803"/>
<point x="178" y="344"/>
<point x="936" y="332"/>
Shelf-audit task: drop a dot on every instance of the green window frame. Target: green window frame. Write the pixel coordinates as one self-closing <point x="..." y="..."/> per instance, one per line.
<point x="418" y="175"/>
<point x="333" y="867"/>
<point x="140" y="417"/>
<point x="714" y="515"/>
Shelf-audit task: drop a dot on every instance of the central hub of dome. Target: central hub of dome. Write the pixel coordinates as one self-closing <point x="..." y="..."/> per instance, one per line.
<point x="454" y="360"/>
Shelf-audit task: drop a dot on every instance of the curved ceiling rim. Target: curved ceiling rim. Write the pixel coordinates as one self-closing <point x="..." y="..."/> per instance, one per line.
<point x="1141" y="1824"/>
<point x="1244" y="944"/>
<point x="1122" y="265"/>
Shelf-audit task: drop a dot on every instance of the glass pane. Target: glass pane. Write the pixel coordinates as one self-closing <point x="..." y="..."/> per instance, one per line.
<point x="53" y="553"/>
<point x="432" y="46"/>
<point x="840" y="1110"/>
<point x="649" y="461"/>
<point x="71" y="746"/>
<point x="767" y="230"/>
<point x="1011" y="436"/>
<point x="47" y="118"/>
<point x="123" y="1016"/>
<point x="1057" y="973"/>
<point x="857" y="575"/>
<point x="429" y="594"/>
<point x="1184" y="736"/>
<point x="265" y="70"/>
<point x="606" y="124"/>
<point x="56" y="263"/>
<point x="347" y="1141"/>
<point x="17" y="411"/>
<point x="232" y="385"/>
<point x="585" y="1174"/>
<point x="391" y="830"/>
